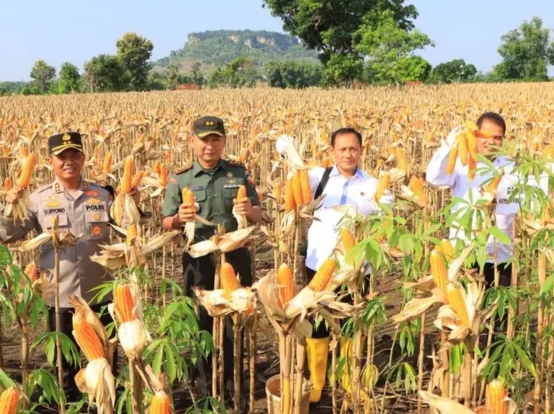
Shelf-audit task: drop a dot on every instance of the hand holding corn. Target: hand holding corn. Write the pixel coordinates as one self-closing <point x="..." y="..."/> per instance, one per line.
<point x="186" y="213"/>
<point x="14" y="194"/>
<point x="242" y="206"/>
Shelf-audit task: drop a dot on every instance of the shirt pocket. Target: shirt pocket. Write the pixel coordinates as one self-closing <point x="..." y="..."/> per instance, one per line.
<point x="49" y="217"/>
<point x="96" y="225"/>
<point x="229" y="194"/>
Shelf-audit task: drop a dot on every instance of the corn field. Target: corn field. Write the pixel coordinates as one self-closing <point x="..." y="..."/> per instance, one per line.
<point x="406" y="355"/>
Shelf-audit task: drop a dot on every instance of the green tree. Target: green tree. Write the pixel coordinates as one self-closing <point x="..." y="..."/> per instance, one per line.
<point x="196" y="75"/>
<point x="172" y="73"/>
<point x="70" y="79"/>
<point x="105" y="73"/>
<point x="526" y="52"/>
<point x="42" y="75"/>
<point x="328" y="27"/>
<point x="456" y="70"/>
<point x="388" y="45"/>
<point x="292" y="74"/>
<point x="134" y="51"/>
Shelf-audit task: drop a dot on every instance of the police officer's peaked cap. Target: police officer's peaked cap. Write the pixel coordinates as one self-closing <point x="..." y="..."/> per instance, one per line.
<point x="60" y="142"/>
<point x="207" y="125"/>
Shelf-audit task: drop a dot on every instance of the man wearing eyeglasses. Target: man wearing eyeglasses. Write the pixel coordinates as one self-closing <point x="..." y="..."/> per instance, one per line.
<point x="505" y="208"/>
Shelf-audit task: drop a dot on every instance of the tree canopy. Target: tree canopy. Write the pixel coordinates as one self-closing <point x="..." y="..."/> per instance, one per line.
<point x="527" y="52"/>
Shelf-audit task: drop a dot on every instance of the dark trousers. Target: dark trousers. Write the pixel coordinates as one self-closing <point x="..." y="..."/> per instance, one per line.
<point x="200" y="273"/>
<point x="322" y="331"/>
<point x="66" y="327"/>
<point x="504" y="280"/>
<point x="504" y="274"/>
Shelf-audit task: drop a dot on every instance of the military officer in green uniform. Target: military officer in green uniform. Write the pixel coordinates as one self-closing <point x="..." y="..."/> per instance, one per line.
<point x="214" y="182"/>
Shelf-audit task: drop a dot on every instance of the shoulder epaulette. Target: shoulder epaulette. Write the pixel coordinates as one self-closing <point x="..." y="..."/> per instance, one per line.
<point x="44" y="188"/>
<point x="184" y="169"/>
<point x="233" y="163"/>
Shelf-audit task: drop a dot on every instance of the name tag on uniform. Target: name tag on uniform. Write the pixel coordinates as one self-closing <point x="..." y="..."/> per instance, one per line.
<point x="49" y="211"/>
<point x="95" y="207"/>
<point x="196" y="188"/>
<point x="231" y="186"/>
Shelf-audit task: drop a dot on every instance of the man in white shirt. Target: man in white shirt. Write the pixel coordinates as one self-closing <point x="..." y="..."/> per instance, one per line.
<point x="469" y="190"/>
<point x="348" y="185"/>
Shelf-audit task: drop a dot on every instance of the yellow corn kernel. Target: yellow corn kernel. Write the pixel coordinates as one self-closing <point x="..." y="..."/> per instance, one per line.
<point x="304" y="179"/>
<point x="127" y="179"/>
<point x="156" y="167"/>
<point x="452" y="156"/>
<point x="290" y="203"/>
<point x="188" y="197"/>
<point x="107" y="164"/>
<point x="323" y="275"/>
<point x="229" y="281"/>
<point x="382" y="185"/>
<point x="495" y="397"/>
<point x="456" y="300"/>
<point x="8" y="184"/>
<point x="438" y="270"/>
<point x="446" y="249"/>
<point x="285" y="282"/>
<point x="471" y="144"/>
<point x="471" y="165"/>
<point x="493" y="185"/>
<point x="417" y="186"/>
<point x="87" y="338"/>
<point x="124" y="303"/>
<point x="9" y="401"/>
<point x="131" y="234"/>
<point x="241" y="193"/>
<point x="463" y="151"/>
<point x="348" y="239"/>
<point x="27" y="171"/>
<point x="137" y="178"/>
<point x="162" y="175"/>
<point x="160" y="403"/>
<point x="31" y="270"/>
<point x="297" y="190"/>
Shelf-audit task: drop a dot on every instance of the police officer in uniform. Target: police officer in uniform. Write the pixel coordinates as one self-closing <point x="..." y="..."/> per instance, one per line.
<point x="214" y="182"/>
<point x="82" y="208"/>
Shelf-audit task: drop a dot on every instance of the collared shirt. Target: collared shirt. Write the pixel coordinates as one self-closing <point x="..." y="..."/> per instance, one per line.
<point x="357" y="191"/>
<point x="83" y="213"/>
<point x="214" y="191"/>
<point x="470" y="191"/>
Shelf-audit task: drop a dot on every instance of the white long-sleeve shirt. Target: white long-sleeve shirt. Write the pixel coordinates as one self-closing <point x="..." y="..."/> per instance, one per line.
<point x="469" y="191"/>
<point x="357" y="191"/>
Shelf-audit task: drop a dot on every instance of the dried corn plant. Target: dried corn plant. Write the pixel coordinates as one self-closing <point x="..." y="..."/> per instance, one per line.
<point x="143" y="138"/>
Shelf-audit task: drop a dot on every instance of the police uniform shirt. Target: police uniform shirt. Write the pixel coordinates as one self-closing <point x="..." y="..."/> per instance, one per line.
<point x="470" y="191"/>
<point x="214" y="191"/>
<point x="84" y="213"/>
<point x="357" y="191"/>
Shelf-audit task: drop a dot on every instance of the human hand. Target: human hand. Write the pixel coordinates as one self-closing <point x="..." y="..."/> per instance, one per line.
<point x="14" y="194"/>
<point x="186" y="213"/>
<point x="451" y="138"/>
<point x="242" y="206"/>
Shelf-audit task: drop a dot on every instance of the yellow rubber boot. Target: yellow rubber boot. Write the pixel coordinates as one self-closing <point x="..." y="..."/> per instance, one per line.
<point x="346" y="351"/>
<point x="318" y="351"/>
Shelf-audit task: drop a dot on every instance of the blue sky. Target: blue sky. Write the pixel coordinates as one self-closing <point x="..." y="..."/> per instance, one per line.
<point x="75" y="30"/>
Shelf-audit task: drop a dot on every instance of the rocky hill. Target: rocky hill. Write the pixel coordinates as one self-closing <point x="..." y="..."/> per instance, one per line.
<point x="218" y="48"/>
